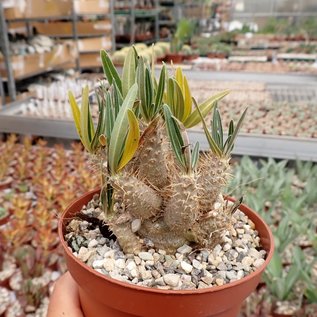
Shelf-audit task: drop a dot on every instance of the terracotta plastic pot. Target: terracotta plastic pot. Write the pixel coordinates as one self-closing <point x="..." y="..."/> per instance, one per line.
<point x="175" y="58"/>
<point x="103" y="296"/>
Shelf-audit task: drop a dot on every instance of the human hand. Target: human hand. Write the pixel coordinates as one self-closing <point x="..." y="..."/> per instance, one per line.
<point x="64" y="301"/>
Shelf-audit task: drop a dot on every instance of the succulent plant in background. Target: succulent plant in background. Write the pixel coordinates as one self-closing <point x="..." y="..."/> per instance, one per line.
<point x="184" y="31"/>
<point x="154" y="183"/>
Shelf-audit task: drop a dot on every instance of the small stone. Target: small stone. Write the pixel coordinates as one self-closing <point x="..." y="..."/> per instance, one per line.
<point x="179" y="256"/>
<point x="254" y="253"/>
<point x="149" y="263"/>
<point x="222" y="267"/>
<point x="156" y="257"/>
<point x="109" y="265"/>
<point x="120" y="263"/>
<point x="171" y="279"/>
<point x="93" y="243"/>
<point x="84" y="254"/>
<point x="226" y="247"/>
<point x="109" y="254"/>
<point x="145" y="275"/>
<point x="247" y="261"/>
<point x="216" y="250"/>
<point x="197" y="265"/>
<point x="98" y="264"/>
<point x="247" y="237"/>
<point x="186" y="267"/>
<point x="131" y="266"/>
<point x="134" y="273"/>
<point x="184" y="249"/>
<point x="156" y="274"/>
<point x="219" y="281"/>
<point x="160" y="281"/>
<point x="186" y="279"/>
<point x="240" y="231"/>
<point x="240" y="274"/>
<point x="251" y="223"/>
<point x="135" y="225"/>
<point x="208" y="278"/>
<point x="137" y="260"/>
<point x="201" y="284"/>
<point x="231" y="275"/>
<point x="204" y="255"/>
<point x="257" y="263"/>
<point x="222" y="274"/>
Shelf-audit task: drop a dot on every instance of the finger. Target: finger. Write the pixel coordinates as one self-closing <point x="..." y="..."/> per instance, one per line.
<point x="65" y="298"/>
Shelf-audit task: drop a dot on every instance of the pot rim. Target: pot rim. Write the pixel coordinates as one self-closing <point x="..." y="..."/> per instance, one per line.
<point x="160" y="291"/>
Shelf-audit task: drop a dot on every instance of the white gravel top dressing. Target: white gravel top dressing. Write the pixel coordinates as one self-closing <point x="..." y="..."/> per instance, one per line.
<point x="239" y="255"/>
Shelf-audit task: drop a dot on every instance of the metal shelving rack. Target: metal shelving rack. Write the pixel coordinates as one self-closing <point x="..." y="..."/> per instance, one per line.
<point x="73" y="17"/>
<point x="175" y="6"/>
<point x="139" y="15"/>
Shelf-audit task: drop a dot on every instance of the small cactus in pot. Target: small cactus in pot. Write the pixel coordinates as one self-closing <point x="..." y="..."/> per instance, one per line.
<point x="155" y="184"/>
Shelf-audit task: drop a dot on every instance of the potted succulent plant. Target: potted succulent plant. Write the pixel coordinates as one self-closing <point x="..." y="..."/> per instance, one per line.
<point x="159" y="238"/>
<point x="183" y="33"/>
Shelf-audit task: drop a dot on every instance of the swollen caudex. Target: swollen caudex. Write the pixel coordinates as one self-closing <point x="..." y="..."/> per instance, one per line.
<point x="182" y="209"/>
<point x="140" y="200"/>
<point x="214" y="174"/>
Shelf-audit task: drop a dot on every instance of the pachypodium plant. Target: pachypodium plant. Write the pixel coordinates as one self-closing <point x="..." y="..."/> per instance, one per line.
<point x="155" y="185"/>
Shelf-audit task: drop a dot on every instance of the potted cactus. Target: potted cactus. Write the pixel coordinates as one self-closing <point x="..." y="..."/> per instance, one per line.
<point x="158" y="237"/>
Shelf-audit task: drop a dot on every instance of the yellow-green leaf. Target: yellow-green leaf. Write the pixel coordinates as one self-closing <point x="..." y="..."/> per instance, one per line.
<point x="120" y="130"/>
<point x="85" y="119"/>
<point x="204" y="108"/>
<point x="75" y="111"/>
<point x="132" y="140"/>
<point x="187" y="99"/>
<point x="183" y="84"/>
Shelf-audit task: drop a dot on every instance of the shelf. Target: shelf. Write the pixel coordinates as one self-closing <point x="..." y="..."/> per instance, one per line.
<point x="246" y="144"/>
<point x="42" y="71"/>
<point x="149" y="41"/>
<point x="63" y="36"/>
<point x="69" y="17"/>
<point x="138" y="13"/>
<point x="105" y="15"/>
<point x="167" y="22"/>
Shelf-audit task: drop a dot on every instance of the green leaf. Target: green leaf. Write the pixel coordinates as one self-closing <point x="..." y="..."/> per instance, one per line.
<point x="212" y="144"/>
<point x="140" y="73"/>
<point x="120" y="129"/>
<point x="160" y="91"/>
<point x="230" y="144"/>
<point x="149" y="91"/>
<point x="175" y="136"/>
<point x="175" y="98"/>
<point x="217" y="128"/>
<point x="75" y="111"/>
<point x="291" y="278"/>
<point x="128" y="72"/>
<point x="110" y="117"/>
<point x="110" y="71"/>
<point x="204" y="109"/>
<point x="275" y="267"/>
<point x="117" y="99"/>
<point x="132" y="140"/>
<point x="195" y="155"/>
